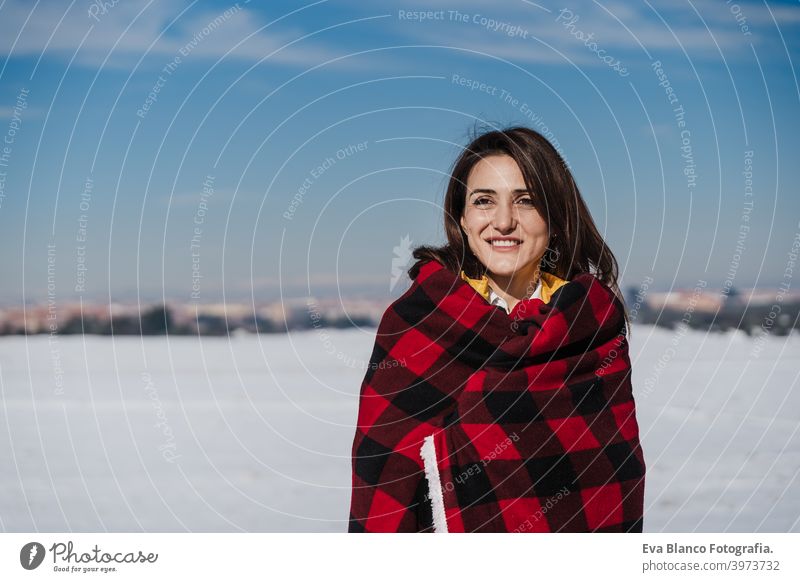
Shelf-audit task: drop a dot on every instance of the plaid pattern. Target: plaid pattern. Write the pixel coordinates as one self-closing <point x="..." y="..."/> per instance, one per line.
<point x="530" y="414"/>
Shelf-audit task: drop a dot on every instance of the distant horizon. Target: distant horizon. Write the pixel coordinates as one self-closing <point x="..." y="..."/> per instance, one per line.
<point x="328" y="291"/>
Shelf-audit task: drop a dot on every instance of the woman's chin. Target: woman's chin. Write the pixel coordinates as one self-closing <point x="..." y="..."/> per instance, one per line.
<point x="506" y="268"/>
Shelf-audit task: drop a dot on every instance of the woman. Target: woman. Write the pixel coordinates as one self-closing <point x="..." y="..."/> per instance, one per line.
<point x="498" y="396"/>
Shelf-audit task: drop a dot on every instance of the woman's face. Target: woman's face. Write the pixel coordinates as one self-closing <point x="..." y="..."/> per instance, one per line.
<point x="505" y="231"/>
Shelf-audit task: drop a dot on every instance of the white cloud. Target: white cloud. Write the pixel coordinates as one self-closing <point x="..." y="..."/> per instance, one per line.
<point x="6" y="113"/>
<point x="129" y="28"/>
<point x="620" y="28"/>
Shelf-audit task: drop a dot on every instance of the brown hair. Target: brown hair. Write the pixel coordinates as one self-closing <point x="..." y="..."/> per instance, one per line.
<point x="575" y="245"/>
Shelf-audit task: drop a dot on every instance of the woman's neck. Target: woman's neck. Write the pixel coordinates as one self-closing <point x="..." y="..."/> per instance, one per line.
<point x="519" y="285"/>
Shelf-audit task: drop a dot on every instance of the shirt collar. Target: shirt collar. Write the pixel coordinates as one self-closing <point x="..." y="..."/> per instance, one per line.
<point x="495" y="299"/>
<point x="548" y="285"/>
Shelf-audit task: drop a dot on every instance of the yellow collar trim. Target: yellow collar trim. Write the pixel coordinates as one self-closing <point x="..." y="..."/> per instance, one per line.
<point x="550" y="284"/>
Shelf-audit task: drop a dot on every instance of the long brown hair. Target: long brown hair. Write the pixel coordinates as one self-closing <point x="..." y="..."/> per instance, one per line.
<point x="575" y="245"/>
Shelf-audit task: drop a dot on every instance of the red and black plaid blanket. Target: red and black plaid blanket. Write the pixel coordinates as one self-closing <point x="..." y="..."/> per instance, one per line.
<point x="473" y="419"/>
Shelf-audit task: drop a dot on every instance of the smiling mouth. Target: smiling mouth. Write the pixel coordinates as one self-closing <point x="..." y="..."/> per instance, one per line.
<point x="499" y="242"/>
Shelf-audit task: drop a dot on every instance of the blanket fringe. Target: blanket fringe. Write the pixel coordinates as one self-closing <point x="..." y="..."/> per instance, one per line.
<point x="428" y="454"/>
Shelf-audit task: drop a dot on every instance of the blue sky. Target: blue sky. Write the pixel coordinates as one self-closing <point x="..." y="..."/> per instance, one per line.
<point x="253" y="101"/>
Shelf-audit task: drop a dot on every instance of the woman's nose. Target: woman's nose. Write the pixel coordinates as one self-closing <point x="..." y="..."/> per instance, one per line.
<point x="503" y="219"/>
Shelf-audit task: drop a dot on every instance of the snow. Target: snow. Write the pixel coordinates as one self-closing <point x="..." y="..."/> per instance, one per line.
<point x="253" y="433"/>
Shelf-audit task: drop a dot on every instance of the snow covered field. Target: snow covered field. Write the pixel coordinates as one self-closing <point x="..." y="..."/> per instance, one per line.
<point x="253" y="433"/>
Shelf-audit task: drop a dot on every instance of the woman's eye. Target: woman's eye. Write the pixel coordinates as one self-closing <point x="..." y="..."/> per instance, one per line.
<point x="486" y="201"/>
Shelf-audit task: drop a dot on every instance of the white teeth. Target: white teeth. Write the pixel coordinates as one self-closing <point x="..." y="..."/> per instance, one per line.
<point x="505" y="243"/>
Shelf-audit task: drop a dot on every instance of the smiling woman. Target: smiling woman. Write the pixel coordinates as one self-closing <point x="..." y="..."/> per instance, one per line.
<point x="513" y="419"/>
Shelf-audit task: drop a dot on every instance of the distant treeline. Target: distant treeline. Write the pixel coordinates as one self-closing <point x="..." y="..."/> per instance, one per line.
<point x="753" y="319"/>
<point x="159" y="320"/>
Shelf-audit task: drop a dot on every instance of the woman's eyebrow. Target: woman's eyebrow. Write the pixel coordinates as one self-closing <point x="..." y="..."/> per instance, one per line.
<point x="490" y="191"/>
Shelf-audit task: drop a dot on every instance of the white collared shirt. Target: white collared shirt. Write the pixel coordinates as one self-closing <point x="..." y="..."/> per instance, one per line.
<point x="495" y="299"/>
